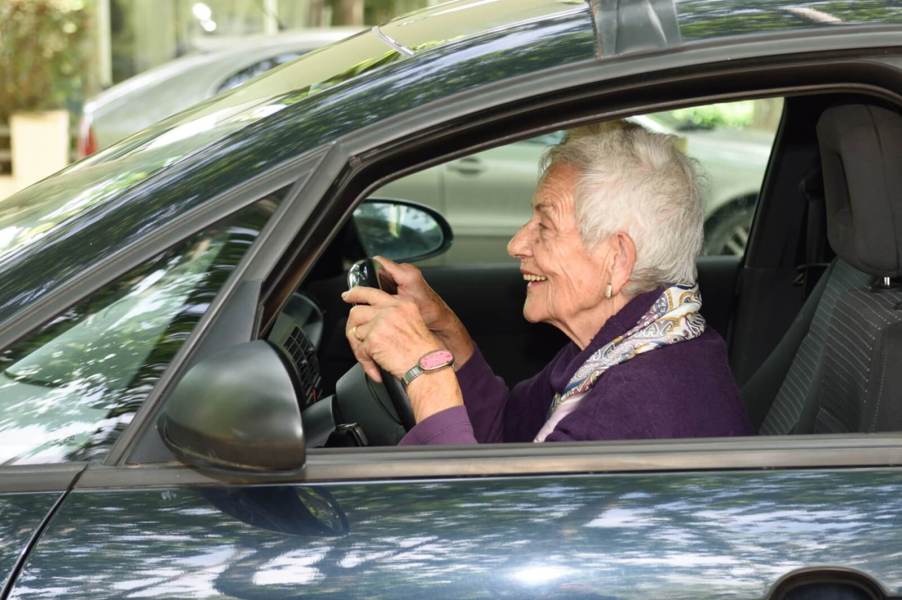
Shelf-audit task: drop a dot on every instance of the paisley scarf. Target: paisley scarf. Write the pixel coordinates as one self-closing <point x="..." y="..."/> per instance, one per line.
<point x="674" y="317"/>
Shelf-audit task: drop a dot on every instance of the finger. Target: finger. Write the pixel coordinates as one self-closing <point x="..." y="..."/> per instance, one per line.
<point x="366" y="295"/>
<point x="360" y="314"/>
<point x="401" y="274"/>
<point x="388" y="273"/>
<point x="372" y="371"/>
<point x="368" y="365"/>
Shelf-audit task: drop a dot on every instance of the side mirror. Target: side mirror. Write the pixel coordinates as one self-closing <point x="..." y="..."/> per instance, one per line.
<point x="236" y="412"/>
<point x="401" y="230"/>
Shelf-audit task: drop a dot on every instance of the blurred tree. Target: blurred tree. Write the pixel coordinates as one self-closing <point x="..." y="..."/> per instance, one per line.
<point x="380" y="11"/>
<point x="347" y="12"/>
<point x="43" y="54"/>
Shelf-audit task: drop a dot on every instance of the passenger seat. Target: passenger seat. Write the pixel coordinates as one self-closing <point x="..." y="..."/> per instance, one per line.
<point x="839" y="366"/>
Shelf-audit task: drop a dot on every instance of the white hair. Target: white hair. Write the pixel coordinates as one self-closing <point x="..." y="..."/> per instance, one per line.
<point x="641" y="183"/>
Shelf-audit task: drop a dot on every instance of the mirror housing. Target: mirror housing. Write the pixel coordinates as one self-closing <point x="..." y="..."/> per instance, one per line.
<point x="236" y="412"/>
<point x="401" y="230"/>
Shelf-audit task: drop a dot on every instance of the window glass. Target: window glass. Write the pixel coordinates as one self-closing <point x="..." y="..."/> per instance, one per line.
<point x="486" y="196"/>
<point x="70" y="388"/>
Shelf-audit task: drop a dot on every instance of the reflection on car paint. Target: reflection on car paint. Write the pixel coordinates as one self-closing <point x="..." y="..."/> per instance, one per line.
<point x="705" y="19"/>
<point x="20" y="515"/>
<point x="68" y="389"/>
<point x="697" y="535"/>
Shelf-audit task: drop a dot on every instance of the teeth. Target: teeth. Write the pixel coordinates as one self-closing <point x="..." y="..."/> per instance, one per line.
<point x="529" y="277"/>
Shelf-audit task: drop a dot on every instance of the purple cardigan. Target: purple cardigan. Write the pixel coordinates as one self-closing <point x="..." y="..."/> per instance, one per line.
<point x="681" y="390"/>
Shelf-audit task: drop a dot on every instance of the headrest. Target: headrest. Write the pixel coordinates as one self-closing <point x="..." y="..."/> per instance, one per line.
<point x="861" y="156"/>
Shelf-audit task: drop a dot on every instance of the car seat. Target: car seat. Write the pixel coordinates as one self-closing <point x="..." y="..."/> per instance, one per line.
<point x="839" y="366"/>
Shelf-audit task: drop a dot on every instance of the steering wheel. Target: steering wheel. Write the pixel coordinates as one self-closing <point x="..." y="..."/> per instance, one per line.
<point x="367" y="272"/>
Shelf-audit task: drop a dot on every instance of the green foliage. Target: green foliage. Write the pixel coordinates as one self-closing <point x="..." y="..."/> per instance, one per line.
<point x="709" y="116"/>
<point x="42" y="58"/>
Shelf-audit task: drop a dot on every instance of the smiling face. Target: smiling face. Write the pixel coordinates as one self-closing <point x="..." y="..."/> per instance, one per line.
<point x="566" y="281"/>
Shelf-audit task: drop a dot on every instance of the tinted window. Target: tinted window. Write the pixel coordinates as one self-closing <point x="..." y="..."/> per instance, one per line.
<point x="70" y="388"/>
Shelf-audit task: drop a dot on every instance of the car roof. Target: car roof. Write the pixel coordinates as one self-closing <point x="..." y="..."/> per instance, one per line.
<point x="124" y="193"/>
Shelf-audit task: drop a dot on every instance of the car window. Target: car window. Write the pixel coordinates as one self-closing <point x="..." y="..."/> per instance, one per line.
<point x="70" y="388"/>
<point x="257" y="68"/>
<point x="486" y="196"/>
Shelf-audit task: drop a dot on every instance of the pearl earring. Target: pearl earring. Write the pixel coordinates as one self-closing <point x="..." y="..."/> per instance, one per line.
<point x="609" y="291"/>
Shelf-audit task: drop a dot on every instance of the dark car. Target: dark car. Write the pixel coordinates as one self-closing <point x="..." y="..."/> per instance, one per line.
<point x="181" y="416"/>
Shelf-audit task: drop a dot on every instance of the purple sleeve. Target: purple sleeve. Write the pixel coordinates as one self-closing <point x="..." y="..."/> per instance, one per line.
<point x="653" y="396"/>
<point x="479" y="420"/>
<point x="450" y="426"/>
<point x="486" y="401"/>
<point x="499" y="414"/>
<point x="485" y="396"/>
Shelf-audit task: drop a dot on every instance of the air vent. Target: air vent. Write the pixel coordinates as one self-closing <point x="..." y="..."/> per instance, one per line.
<point x="303" y="355"/>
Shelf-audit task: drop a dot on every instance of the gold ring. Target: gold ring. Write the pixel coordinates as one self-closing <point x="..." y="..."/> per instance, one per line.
<point x="354" y="333"/>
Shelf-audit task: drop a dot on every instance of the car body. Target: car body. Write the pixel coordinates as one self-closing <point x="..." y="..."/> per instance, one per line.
<point x="256" y="185"/>
<point x="140" y="101"/>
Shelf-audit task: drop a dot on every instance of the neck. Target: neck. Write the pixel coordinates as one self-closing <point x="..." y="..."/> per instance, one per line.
<point x="581" y="329"/>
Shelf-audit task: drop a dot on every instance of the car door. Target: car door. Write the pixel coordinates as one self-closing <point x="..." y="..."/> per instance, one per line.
<point x="695" y="532"/>
<point x="488" y="195"/>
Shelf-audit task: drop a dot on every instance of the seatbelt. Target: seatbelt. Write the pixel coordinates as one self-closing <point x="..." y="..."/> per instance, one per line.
<point x="814" y="236"/>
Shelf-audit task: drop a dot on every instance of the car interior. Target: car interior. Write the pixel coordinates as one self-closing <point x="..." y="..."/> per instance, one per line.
<point x="810" y="311"/>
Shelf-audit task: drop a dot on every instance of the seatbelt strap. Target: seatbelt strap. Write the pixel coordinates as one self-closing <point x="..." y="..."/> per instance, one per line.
<point x="815" y="234"/>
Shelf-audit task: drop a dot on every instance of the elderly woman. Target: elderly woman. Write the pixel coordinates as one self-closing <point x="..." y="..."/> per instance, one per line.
<point x="609" y="259"/>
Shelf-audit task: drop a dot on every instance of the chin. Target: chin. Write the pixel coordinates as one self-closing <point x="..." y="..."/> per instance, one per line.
<point x="533" y="316"/>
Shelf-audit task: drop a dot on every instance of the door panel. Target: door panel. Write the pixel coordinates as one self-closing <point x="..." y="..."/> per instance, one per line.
<point x="667" y="535"/>
<point x="27" y="497"/>
<point x="20" y="516"/>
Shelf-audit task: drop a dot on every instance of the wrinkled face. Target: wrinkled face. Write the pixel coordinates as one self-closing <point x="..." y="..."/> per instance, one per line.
<point x="566" y="280"/>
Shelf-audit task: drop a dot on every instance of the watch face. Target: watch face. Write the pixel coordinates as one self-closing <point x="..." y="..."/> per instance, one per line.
<point x="436" y="360"/>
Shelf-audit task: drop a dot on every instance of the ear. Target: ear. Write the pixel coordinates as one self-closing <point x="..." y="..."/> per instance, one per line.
<point x="622" y="259"/>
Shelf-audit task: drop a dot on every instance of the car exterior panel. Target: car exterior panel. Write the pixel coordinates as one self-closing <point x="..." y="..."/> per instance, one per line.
<point x="21" y="514"/>
<point x="655" y="535"/>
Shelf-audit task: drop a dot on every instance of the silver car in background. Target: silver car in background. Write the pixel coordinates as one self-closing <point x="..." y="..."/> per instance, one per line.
<point x="731" y="161"/>
<point x="221" y="65"/>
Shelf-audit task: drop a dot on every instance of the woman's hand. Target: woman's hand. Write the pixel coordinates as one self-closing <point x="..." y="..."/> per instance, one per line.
<point x="434" y="312"/>
<point x="388" y="331"/>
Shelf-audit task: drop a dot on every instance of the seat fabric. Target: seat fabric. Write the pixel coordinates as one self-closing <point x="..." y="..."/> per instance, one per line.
<point x="846" y="375"/>
<point x="838" y="381"/>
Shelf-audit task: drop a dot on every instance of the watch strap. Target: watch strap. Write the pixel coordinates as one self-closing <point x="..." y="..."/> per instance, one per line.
<point x="428" y="363"/>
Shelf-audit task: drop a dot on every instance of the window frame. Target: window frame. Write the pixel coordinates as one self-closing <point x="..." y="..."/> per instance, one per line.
<point x="354" y="167"/>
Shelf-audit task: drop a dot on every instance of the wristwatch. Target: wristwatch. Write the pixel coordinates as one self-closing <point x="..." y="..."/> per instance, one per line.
<point x="429" y="362"/>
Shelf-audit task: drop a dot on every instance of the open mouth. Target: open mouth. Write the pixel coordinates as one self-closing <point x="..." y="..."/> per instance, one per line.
<point x="532" y="279"/>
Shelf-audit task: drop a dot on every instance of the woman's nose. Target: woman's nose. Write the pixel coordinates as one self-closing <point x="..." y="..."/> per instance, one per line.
<point x="518" y="245"/>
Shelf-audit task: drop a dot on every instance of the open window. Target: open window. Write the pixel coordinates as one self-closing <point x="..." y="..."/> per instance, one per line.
<point x="485" y="196"/>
